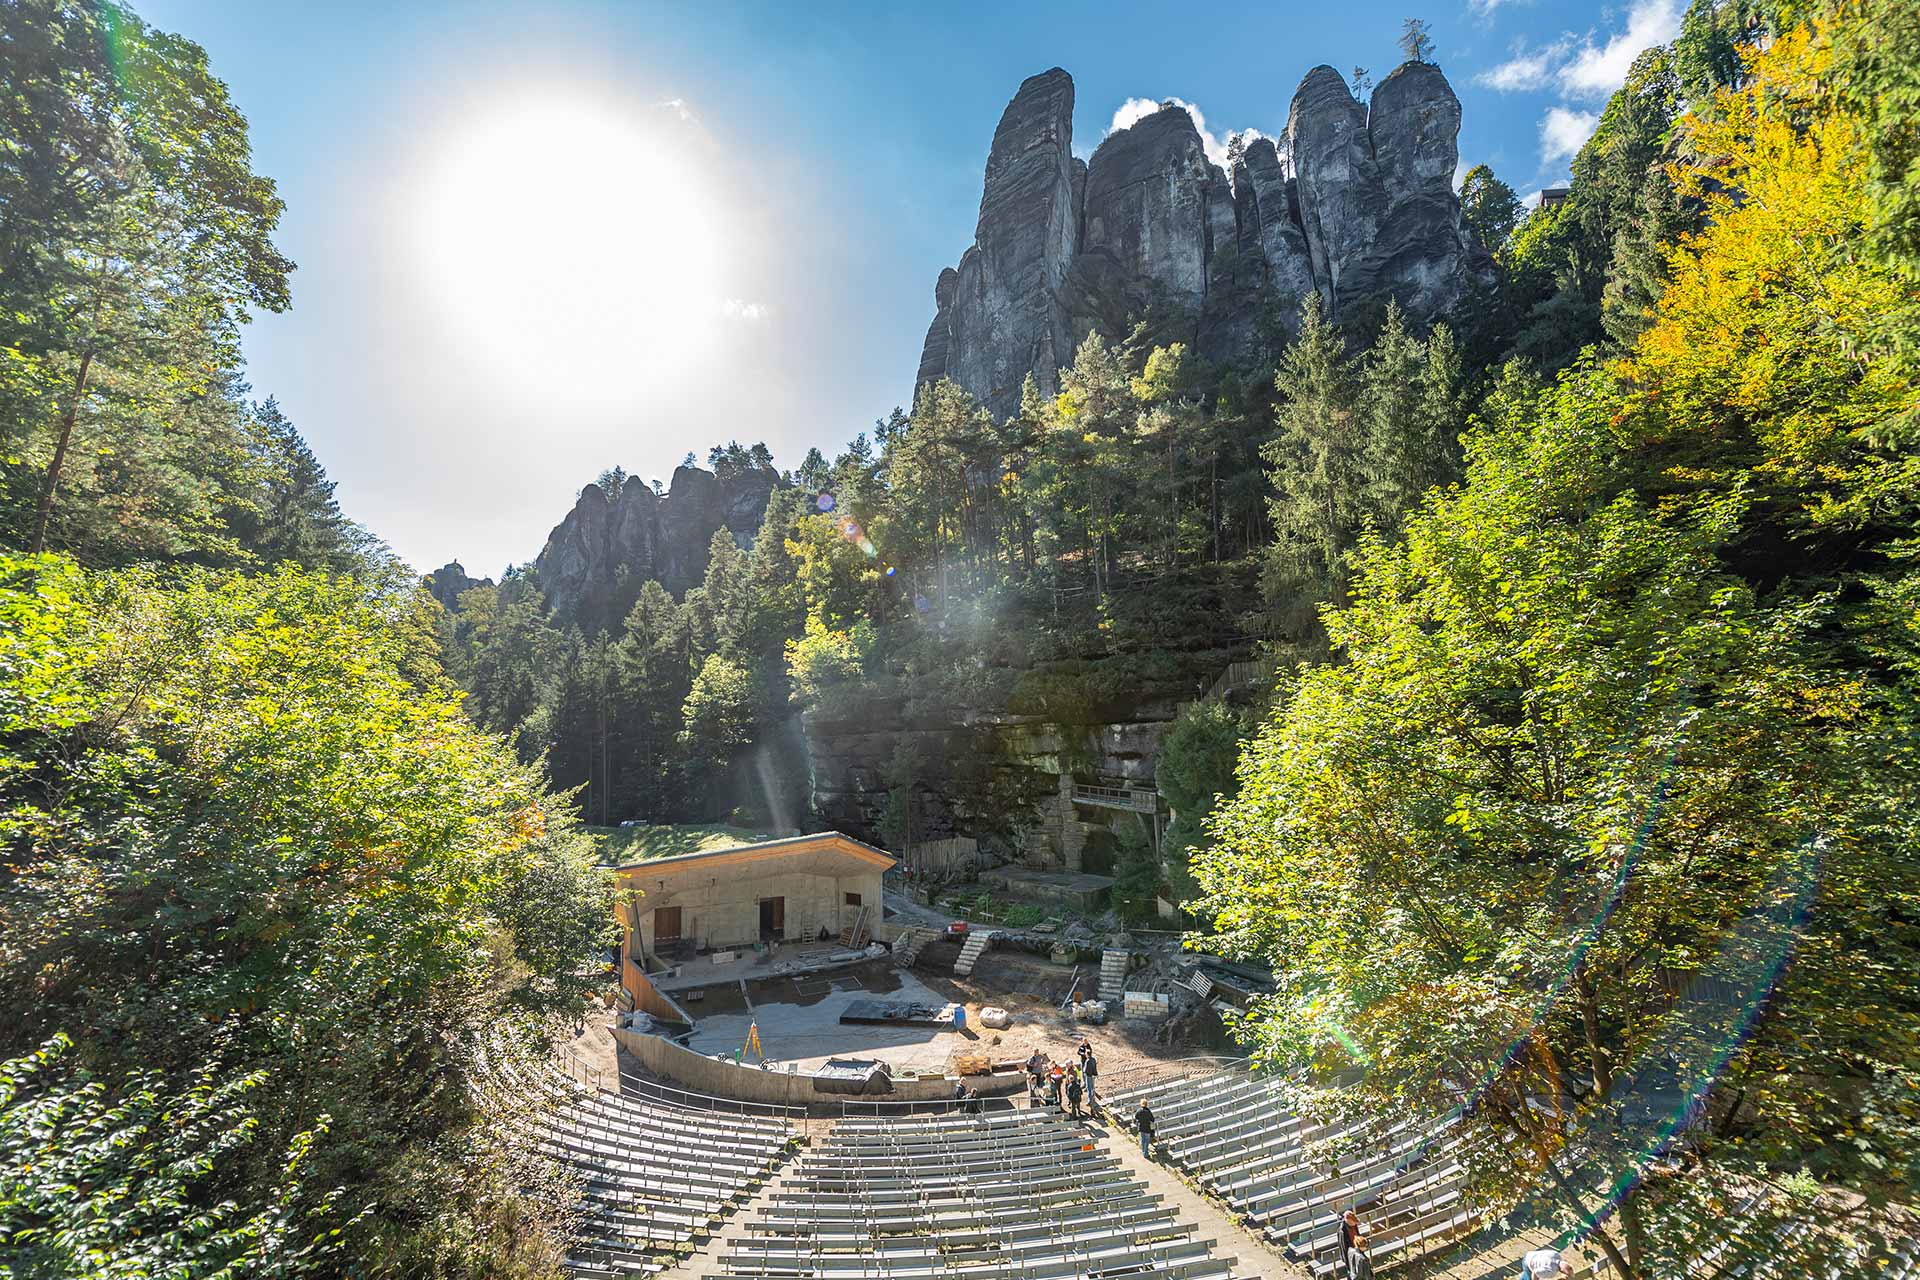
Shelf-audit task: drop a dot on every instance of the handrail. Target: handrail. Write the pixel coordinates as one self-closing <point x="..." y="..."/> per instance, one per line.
<point x="1134" y="799"/>
<point x="778" y="1110"/>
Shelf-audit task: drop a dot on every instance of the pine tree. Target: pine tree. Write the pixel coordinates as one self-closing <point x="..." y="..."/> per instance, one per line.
<point x="1316" y="464"/>
<point x="1488" y="208"/>
<point x="727" y="592"/>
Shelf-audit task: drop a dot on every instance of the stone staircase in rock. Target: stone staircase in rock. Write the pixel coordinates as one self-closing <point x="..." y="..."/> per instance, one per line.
<point x="1113" y="976"/>
<point x="977" y="944"/>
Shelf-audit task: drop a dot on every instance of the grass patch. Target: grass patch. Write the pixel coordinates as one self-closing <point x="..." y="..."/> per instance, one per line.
<point x="638" y="844"/>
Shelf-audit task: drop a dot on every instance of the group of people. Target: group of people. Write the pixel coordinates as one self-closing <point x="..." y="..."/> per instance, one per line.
<point x="1054" y="1084"/>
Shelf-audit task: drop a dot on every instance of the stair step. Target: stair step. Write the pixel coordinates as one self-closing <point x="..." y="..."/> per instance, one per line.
<point x="969" y="954"/>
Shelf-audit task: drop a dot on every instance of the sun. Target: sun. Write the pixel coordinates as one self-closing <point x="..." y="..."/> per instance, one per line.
<point x="570" y="241"/>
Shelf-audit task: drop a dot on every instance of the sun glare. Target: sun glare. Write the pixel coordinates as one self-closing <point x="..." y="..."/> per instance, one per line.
<point x="570" y="242"/>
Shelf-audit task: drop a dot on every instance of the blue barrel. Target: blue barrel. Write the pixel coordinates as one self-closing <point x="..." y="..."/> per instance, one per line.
<point x="959" y="1017"/>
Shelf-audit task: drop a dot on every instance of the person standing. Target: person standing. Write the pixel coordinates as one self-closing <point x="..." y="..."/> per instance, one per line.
<point x="1359" y="1265"/>
<point x="1073" y="1096"/>
<point x="1349" y="1232"/>
<point x="1089" y="1069"/>
<point x="1143" y="1121"/>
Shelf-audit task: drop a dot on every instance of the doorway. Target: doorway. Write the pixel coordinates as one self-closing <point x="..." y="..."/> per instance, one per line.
<point x="666" y="927"/>
<point x="773" y="919"/>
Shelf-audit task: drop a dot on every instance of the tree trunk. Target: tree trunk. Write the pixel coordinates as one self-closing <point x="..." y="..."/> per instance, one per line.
<point x="52" y="481"/>
<point x="1623" y="1270"/>
<point x="1213" y="498"/>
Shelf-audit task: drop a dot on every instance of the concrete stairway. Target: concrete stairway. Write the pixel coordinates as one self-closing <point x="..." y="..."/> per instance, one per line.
<point x="1113" y="976"/>
<point x="977" y="943"/>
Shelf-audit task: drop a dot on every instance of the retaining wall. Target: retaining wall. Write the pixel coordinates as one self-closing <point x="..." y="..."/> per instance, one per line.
<point x="723" y="1079"/>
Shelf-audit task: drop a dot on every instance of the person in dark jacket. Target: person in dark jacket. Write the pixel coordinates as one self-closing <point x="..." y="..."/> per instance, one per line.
<point x="1143" y="1121"/>
<point x="1349" y="1232"/>
<point x="1073" y="1096"/>
<point x="1089" y="1069"/>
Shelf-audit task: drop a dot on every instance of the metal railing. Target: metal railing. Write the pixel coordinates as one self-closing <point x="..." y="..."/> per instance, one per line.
<point x="1132" y="799"/>
<point x="1166" y="1072"/>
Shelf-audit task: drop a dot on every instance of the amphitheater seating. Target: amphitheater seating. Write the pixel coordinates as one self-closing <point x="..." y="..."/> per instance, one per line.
<point x="1234" y="1132"/>
<point x="1008" y="1194"/>
<point x="656" y="1169"/>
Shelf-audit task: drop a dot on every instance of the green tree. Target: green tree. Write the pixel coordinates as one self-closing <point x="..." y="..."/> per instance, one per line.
<point x="1523" y="709"/>
<point x="717" y="718"/>
<point x="136" y="241"/>
<point x="101" y="1185"/>
<point x="1488" y="208"/>
<point x="1193" y="769"/>
<point x="1598" y="838"/>
<point x="233" y="796"/>
<point x="650" y="683"/>
<point x="294" y="515"/>
<point x="1316" y="465"/>
<point x="728" y="589"/>
<point x="1416" y="40"/>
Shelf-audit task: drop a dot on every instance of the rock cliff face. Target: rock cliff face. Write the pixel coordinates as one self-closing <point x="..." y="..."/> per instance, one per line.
<point x="447" y="582"/>
<point x="1358" y="206"/>
<point x="596" y="559"/>
<point x="1005" y="317"/>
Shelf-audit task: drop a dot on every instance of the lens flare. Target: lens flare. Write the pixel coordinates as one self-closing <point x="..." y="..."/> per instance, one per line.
<point x="825" y="502"/>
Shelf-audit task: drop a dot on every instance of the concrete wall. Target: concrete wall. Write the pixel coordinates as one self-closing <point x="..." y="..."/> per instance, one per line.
<point x="642" y="994"/>
<point x="721" y="907"/>
<point x="723" y="1079"/>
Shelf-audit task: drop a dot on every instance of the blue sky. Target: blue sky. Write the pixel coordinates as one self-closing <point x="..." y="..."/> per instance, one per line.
<point x="539" y="239"/>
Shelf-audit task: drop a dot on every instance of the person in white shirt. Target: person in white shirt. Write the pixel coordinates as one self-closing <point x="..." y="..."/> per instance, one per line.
<point x="1541" y="1264"/>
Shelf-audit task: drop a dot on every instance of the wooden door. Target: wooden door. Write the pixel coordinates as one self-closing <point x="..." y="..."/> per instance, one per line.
<point x="666" y="926"/>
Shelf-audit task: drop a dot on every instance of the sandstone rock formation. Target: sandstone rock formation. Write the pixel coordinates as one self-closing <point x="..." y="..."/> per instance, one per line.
<point x="1005" y="318"/>
<point x="447" y="582"/>
<point x="597" y="558"/>
<point x="1358" y="206"/>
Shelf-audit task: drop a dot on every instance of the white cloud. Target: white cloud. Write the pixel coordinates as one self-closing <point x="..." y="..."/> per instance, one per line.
<point x="1531" y="201"/>
<point x="1597" y="70"/>
<point x="680" y="108"/>
<point x="1134" y="110"/>
<point x="1563" y="133"/>
<point x="1582" y="68"/>
<point x="740" y="309"/>
<point x="1526" y="70"/>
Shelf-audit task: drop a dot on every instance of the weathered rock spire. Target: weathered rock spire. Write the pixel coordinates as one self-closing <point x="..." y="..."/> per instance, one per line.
<point x="1358" y="207"/>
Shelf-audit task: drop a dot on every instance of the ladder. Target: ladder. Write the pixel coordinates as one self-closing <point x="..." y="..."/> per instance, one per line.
<point x="855" y="934"/>
<point x="908" y="946"/>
